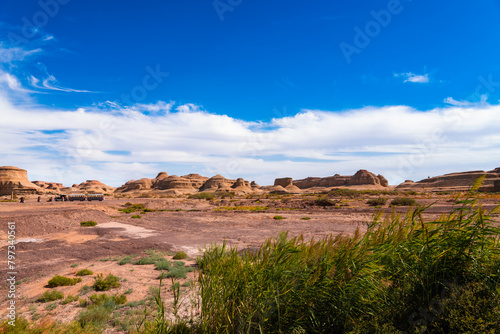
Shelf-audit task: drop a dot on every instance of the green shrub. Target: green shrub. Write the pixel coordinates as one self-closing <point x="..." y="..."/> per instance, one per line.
<point x="104" y="284"/>
<point x="136" y="216"/>
<point x="84" y="272"/>
<point x="324" y="201"/>
<point x="305" y="218"/>
<point x="203" y="195"/>
<point x="177" y="272"/>
<point x="62" y="281"/>
<point x="162" y="265"/>
<point x="88" y="223"/>
<point x="278" y="217"/>
<point x="179" y="264"/>
<point x="376" y="201"/>
<point x="126" y="259"/>
<point x="95" y="317"/>
<point x="49" y="296"/>
<point x="351" y="193"/>
<point x="180" y="256"/>
<point x="133" y="208"/>
<point x="70" y="299"/>
<point x="403" y="201"/>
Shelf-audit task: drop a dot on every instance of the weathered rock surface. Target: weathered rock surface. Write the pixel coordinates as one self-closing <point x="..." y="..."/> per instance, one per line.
<point x="49" y="185"/>
<point x="284" y="182"/>
<point x="361" y="178"/>
<point x="455" y="182"/>
<point x="94" y="186"/>
<point x="15" y="180"/>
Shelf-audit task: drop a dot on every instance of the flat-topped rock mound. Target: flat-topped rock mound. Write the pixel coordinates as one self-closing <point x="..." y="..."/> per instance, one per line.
<point x="15" y="180"/>
<point x="362" y="179"/>
<point x="460" y="181"/>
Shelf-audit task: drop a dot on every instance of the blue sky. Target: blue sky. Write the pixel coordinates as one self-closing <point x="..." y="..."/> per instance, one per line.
<point x="117" y="90"/>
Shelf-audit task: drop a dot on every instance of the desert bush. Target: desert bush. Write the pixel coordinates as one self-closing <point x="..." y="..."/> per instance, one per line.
<point x="133" y="208"/>
<point x="305" y="218"/>
<point x="403" y="201"/>
<point x="49" y="296"/>
<point x="95" y="317"/>
<point x="70" y="299"/>
<point x="224" y="194"/>
<point x="102" y="299"/>
<point x="162" y="265"/>
<point x="136" y="216"/>
<point x="126" y="259"/>
<point x="323" y="201"/>
<point x="62" y="281"/>
<point x="180" y="255"/>
<point x="203" y="195"/>
<point x="376" y="201"/>
<point x="345" y="193"/>
<point x="88" y="223"/>
<point x="105" y="283"/>
<point x="278" y="217"/>
<point x="84" y="272"/>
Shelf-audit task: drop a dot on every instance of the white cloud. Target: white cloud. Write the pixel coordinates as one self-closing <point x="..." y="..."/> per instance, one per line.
<point x="411" y="77"/>
<point x="50" y="83"/>
<point x="396" y="141"/>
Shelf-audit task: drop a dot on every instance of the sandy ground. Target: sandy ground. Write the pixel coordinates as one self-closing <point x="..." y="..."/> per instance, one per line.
<point x="50" y="240"/>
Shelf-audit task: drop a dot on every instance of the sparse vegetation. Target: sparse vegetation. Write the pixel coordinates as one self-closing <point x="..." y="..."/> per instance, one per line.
<point x="132" y="207"/>
<point x="107" y="283"/>
<point x="242" y="208"/>
<point x="62" y="281"/>
<point x="203" y="195"/>
<point x="49" y="296"/>
<point x="305" y="218"/>
<point x="70" y="299"/>
<point x="403" y="201"/>
<point x="180" y="255"/>
<point x="84" y="272"/>
<point x="278" y="217"/>
<point x="88" y="223"/>
<point x="136" y="216"/>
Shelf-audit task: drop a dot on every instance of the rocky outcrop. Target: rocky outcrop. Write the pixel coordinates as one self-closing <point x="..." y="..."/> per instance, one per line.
<point x="94" y="187"/>
<point x="49" y="185"/>
<point x="455" y="182"/>
<point x="254" y="185"/>
<point x="15" y="180"/>
<point x="284" y="182"/>
<point x="361" y="178"/>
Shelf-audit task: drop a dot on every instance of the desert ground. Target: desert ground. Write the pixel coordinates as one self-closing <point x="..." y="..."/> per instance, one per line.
<point x="50" y="240"/>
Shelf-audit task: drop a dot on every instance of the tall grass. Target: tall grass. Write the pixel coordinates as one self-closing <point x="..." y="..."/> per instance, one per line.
<point x="398" y="276"/>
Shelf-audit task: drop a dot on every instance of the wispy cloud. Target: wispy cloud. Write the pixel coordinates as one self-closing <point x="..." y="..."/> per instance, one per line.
<point x="411" y="77"/>
<point x="50" y="83"/>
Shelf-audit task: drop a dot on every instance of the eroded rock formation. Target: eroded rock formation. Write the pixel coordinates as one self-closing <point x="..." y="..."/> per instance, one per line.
<point x="361" y="178"/>
<point x="455" y="182"/>
<point x="15" y="180"/>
